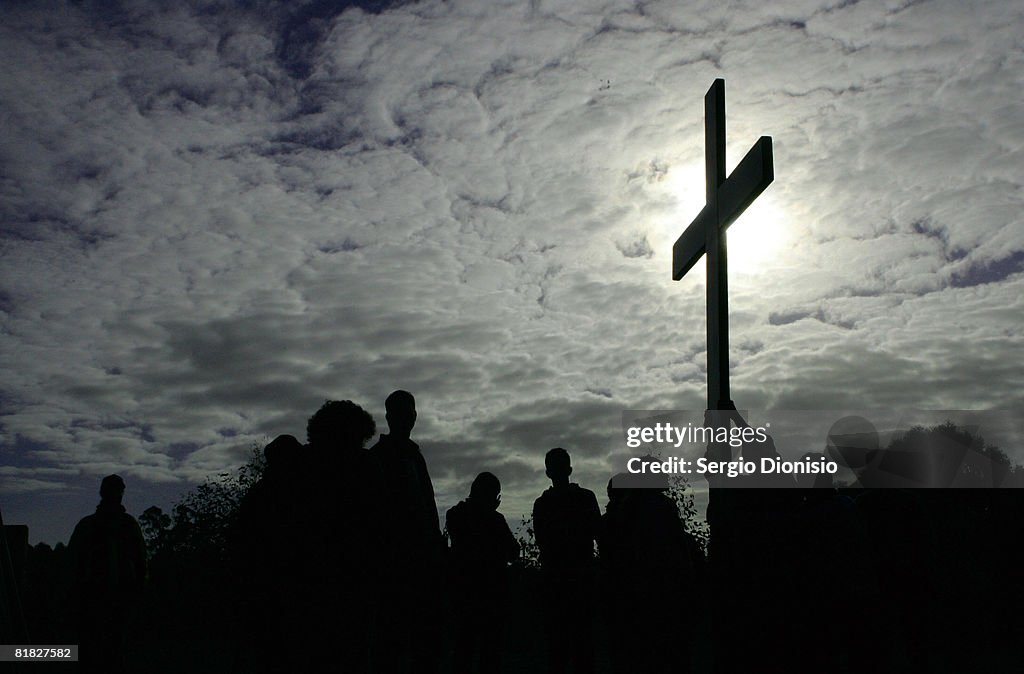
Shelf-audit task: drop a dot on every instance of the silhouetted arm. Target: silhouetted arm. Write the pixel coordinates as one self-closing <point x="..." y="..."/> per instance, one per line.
<point x="540" y="530"/>
<point x="509" y="542"/>
<point x="738" y="419"/>
<point x="138" y="551"/>
<point x="75" y="552"/>
<point x="429" y="505"/>
<point x="594" y="518"/>
<point x="717" y="451"/>
<point x="378" y="512"/>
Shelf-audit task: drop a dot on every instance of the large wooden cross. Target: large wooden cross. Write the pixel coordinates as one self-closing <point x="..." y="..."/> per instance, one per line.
<point x="726" y="199"/>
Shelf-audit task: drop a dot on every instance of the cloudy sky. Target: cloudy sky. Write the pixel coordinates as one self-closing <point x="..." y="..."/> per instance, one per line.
<point x="217" y="215"/>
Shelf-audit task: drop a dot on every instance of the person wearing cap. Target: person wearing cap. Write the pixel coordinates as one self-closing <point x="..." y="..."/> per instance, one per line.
<point x="109" y="560"/>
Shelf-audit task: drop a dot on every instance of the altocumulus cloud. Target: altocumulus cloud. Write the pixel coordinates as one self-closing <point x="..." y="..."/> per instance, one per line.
<point x="216" y="216"/>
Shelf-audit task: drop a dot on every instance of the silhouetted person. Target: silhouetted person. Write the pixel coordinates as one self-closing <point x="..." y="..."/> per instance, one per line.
<point x="268" y="559"/>
<point x="341" y="532"/>
<point x="566" y="521"/>
<point x="830" y="538"/>
<point x="308" y="547"/>
<point x="109" y="557"/>
<point x="482" y="547"/>
<point x="751" y="555"/>
<point x="897" y="531"/>
<point x="611" y="542"/>
<point x="407" y="633"/>
<point x="649" y="564"/>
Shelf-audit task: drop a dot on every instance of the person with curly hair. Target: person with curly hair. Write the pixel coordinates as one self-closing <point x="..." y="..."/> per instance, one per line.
<point x="340" y="530"/>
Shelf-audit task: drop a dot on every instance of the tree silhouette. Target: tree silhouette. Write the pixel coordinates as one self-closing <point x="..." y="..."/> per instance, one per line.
<point x="993" y="468"/>
<point x="190" y="596"/>
<point x="529" y="553"/>
<point x="202" y="519"/>
<point x="156" y="529"/>
<point x="680" y="491"/>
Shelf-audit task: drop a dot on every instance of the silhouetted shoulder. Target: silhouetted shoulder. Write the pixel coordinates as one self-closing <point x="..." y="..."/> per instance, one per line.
<point x="366" y="460"/>
<point x="573" y="493"/>
<point x="464" y="520"/>
<point x="387" y="446"/>
<point x="109" y="551"/>
<point x="464" y="516"/>
<point x="572" y="501"/>
<point x="566" y="521"/>
<point x="82" y="529"/>
<point x="456" y="515"/>
<point x="119" y="524"/>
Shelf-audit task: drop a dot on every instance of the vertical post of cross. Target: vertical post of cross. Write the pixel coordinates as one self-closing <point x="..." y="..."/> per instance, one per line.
<point x="716" y="251"/>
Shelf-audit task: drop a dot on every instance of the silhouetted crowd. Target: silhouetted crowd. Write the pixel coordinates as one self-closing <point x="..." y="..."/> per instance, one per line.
<point x="339" y="564"/>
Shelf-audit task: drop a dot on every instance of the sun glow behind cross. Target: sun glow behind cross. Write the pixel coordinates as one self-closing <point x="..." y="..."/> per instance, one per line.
<point x="757" y="238"/>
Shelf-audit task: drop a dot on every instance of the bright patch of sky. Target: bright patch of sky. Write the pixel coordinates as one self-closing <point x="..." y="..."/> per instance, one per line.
<point x="216" y="217"/>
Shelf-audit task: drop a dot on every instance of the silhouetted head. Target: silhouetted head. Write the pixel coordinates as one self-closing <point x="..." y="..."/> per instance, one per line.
<point x="400" y="412"/>
<point x="112" y="489"/>
<point x="283" y="451"/>
<point x="557" y="465"/>
<point x="340" y="424"/>
<point x="649" y="483"/>
<point x="486" y="489"/>
<point x="617" y="488"/>
<point x="911" y="459"/>
<point x="814" y="480"/>
<point x="853" y="442"/>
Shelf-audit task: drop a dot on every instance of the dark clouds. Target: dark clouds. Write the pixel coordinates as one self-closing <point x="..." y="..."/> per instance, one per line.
<point x="215" y="216"/>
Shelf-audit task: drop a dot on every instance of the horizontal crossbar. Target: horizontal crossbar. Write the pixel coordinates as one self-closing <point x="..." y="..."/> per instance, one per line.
<point x="743" y="185"/>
